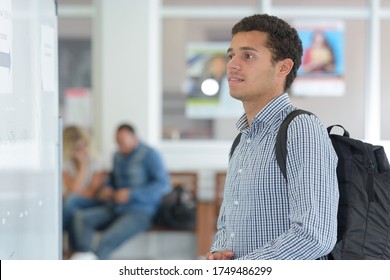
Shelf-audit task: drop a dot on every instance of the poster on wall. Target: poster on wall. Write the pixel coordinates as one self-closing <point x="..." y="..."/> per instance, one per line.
<point x="206" y="86"/>
<point x="323" y="66"/>
<point x="5" y="46"/>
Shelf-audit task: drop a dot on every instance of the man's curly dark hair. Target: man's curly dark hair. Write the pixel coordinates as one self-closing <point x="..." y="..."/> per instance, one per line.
<point x="282" y="40"/>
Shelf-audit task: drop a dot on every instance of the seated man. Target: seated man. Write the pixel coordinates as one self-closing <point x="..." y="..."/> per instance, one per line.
<point x="131" y="197"/>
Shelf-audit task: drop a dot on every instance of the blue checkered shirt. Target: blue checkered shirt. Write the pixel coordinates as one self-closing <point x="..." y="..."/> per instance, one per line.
<point x="263" y="216"/>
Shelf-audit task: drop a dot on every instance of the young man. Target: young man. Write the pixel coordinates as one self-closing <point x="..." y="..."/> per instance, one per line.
<point x="137" y="183"/>
<point x="264" y="216"/>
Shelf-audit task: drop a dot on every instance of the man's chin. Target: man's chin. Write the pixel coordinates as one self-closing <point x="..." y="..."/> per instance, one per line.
<point x="236" y="96"/>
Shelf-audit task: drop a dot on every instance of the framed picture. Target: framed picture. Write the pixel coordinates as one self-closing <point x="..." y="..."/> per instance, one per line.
<point x="323" y="67"/>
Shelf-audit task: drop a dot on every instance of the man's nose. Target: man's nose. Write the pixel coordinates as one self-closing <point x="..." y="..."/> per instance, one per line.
<point x="233" y="63"/>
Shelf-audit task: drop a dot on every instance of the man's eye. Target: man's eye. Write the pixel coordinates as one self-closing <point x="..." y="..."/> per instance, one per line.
<point x="229" y="57"/>
<point x="248" y="56"/>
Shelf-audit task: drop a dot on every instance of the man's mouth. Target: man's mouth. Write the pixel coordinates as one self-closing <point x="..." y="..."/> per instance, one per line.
<point x="234" y="79"/>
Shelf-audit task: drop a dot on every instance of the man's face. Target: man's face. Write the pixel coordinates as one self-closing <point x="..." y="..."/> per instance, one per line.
<point x="126" y="141"/>
<point x="251" y="73"/>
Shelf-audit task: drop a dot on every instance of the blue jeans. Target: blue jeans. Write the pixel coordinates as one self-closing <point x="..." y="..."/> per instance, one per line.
<point x="115" y="228"/>
<point x="71" y="204"/>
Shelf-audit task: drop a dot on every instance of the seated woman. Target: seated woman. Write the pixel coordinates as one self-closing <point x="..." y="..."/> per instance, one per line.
<point x="82" y="175"/>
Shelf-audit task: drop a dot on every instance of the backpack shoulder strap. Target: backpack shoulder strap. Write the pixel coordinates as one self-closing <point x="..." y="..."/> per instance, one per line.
<point x="281" y="140"/>
<point x="235" y="144"/>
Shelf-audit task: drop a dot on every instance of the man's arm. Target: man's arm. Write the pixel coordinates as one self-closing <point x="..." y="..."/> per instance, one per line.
<point x="106" y="192"/>
<point x="159" y="181"/>
<point x="218" y="249"/>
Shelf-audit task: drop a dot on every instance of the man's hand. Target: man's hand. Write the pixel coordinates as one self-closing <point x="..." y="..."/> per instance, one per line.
<point x="122" y="195"/>
<point x="106" y="194"/>
<point x="224" y="255"/>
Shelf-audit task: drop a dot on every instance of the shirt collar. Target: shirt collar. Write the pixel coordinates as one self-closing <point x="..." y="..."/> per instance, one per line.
<point x="268" y="114"/>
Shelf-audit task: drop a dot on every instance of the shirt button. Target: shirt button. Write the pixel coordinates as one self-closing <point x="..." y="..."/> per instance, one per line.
<point x="232" y="235"/>
<point x="239" y="171"/>
<point x="248" y="140"/>
<point x="235" y="202"/>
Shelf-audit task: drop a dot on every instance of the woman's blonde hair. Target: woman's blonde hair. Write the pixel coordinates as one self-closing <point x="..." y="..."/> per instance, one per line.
<point x="71" y="135"/>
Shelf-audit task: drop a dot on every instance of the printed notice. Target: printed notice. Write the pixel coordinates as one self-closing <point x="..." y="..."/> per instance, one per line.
<point x="5" y="46"/>
<point x="48" y="72"/>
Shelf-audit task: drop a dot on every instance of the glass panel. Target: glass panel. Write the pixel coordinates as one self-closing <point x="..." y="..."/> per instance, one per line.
<point x="29" y="143"/>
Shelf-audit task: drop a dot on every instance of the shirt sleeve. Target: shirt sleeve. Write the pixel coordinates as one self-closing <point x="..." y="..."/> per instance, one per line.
<point x="219" y="243"/>
<point x="312" y="192"/>
<point x="158" y="183"/>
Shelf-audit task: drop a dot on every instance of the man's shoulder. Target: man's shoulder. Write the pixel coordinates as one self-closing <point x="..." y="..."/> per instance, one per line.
<point x="305" y="125"/>
<point x="148" y="151"/>
<point x="308" y="128"/>
<point x="307" y="120"/>
<point x="144" y="148"/>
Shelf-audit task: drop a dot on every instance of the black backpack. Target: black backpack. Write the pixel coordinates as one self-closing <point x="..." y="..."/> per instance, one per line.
<point x="363" y="174"/>
<point x="177" y="210"/>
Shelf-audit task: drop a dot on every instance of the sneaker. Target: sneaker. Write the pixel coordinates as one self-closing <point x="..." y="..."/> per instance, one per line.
<point x="83" y="256"/>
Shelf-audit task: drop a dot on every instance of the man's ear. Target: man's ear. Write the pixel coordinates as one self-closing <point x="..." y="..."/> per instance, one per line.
<point x="285" y="66"/>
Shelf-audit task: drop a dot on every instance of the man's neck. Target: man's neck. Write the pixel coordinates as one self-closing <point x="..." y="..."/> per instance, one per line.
<point x="253" y="108"/>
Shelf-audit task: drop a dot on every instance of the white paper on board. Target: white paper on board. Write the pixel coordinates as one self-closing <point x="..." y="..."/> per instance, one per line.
<point x="5" y="46"/>
<point x="47" y="58"/>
